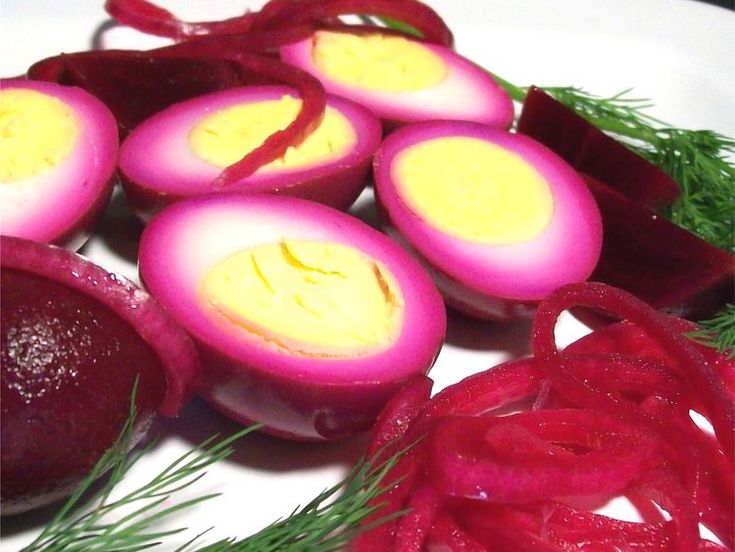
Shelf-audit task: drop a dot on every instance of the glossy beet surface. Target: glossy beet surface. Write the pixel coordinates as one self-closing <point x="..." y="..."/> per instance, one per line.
<point x="663" y="264"/>
<point x="589" y="150"/>
<point x="69" y="364"/>
<point x="252" y="372"/>
<point x="70" y="357"/>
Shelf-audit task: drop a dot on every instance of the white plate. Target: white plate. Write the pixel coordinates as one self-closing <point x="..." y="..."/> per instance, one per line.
<point x="675" y="51"/>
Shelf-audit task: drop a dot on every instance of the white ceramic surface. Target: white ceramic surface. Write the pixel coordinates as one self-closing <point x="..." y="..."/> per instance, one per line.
<point x="677" y="52"/>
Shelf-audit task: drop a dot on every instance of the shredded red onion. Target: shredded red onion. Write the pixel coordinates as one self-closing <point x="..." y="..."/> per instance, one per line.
<point x="151" y="19"/>
<point x="516" y="457"/>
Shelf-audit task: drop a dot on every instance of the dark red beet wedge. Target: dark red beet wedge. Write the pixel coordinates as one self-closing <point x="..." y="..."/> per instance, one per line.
<point x="135" y="85"/>
<point x="666" y="266"/>
<point x="74" y="341"/>
<point x="589" y="150"/>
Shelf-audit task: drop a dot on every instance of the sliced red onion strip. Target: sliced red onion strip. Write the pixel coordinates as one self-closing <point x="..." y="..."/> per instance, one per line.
<point x="148" y="18"/>
<point x="397" y="415"/>
<point x="413" y="527"/>
<point x="446" y="534"/>
<point x="420" y="16"/>
<point x="469" y="457"/>
<point x="700" y="374"/>
<point x="502" y="529"/>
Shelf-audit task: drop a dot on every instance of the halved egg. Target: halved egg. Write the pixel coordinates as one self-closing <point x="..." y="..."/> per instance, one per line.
<point x="58" y="152"/>
<point x="75" y="340"/>
<point x="400" y="79"/>
<point x="180" y="151"/>
<point x="499" y="219"/>
<point x="307" y="319"/>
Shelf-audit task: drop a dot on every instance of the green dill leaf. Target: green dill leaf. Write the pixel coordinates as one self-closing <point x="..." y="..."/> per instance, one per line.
<point x="124" y="524"/>
<point x="329" y="521"/>
<point x="326" y="523"/>
<point x="700" y="161"/>
<point x="719" y="331"/>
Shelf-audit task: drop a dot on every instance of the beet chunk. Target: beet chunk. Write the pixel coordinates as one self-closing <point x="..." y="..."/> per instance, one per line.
<point x="68" y="368"/>
<point x="589" y="150"/>
<point x="659" y="262"/>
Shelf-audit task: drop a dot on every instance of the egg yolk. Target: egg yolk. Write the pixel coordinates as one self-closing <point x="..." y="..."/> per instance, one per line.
<point x="377" y="62"/>
<point x="309" y="298"/>
<point x="474" y="190"/>
<point x="226" y="136"/>
<point x="37" y="132"/>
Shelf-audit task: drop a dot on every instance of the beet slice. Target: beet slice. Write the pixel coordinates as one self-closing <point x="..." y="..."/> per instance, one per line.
<point x="589" y="150"/>
<point x="664" y="265"/>
<point x="74" y="340"/>
<point x="135" y="85"/>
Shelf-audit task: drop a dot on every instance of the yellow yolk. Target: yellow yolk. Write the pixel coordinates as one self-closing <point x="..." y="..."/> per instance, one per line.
<point x="474" y="190"/>
<point x="37" y="132"/>
<point x="228" y="135"/>
<point x="377" y="62"/>
<point x="309" y="298"/>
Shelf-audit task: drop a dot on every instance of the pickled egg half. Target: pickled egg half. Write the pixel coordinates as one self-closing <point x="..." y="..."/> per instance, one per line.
<point x="400" y="79"/>
<point x="307" y="319"/>
<point x="58" y="152"/>
<point x="179" y="152"/>
<point x="498" y="219"/>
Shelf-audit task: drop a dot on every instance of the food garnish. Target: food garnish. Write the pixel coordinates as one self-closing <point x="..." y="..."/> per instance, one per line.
<point x="87" y="523"/>
<point x="514" y="458"/>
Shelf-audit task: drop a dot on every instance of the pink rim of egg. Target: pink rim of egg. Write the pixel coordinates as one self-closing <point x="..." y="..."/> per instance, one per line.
<point x="467" y="93"/>
<point x="295" y="396"/>
<point x="61" y="204"/>
<point x="495" y="281"/>
<point x="159" y="167"/>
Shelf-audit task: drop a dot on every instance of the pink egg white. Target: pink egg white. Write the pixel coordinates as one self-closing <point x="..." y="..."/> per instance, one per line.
<point x="159" y="165"/>
<point x="253" y="373"/>
<point x="58" y="197"/>
<point x="500" y="278"/>
<point x="465" y="92"/>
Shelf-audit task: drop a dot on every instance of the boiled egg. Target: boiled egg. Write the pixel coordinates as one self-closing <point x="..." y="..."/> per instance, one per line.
<point x="58" y="152"/>
<point x="306" y="318"/>
<point x="401" y="79"/>
<point x="180" y="151"/>
<point x="498" y="219"/>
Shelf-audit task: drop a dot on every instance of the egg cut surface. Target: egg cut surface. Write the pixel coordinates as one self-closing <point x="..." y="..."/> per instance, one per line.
<point x="307" y="319"/>
<point x="58" y="148"/>
<point x="180" y="151"/>
<point x="498" y="219"/>
<point x="400" y="79"/>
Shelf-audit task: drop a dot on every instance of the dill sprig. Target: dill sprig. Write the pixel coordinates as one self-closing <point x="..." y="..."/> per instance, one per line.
<point x="128" y="523"/>
<point x="699" y="160"/>
<point x="719" y="331"/>
<point x="326" y="523"/>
